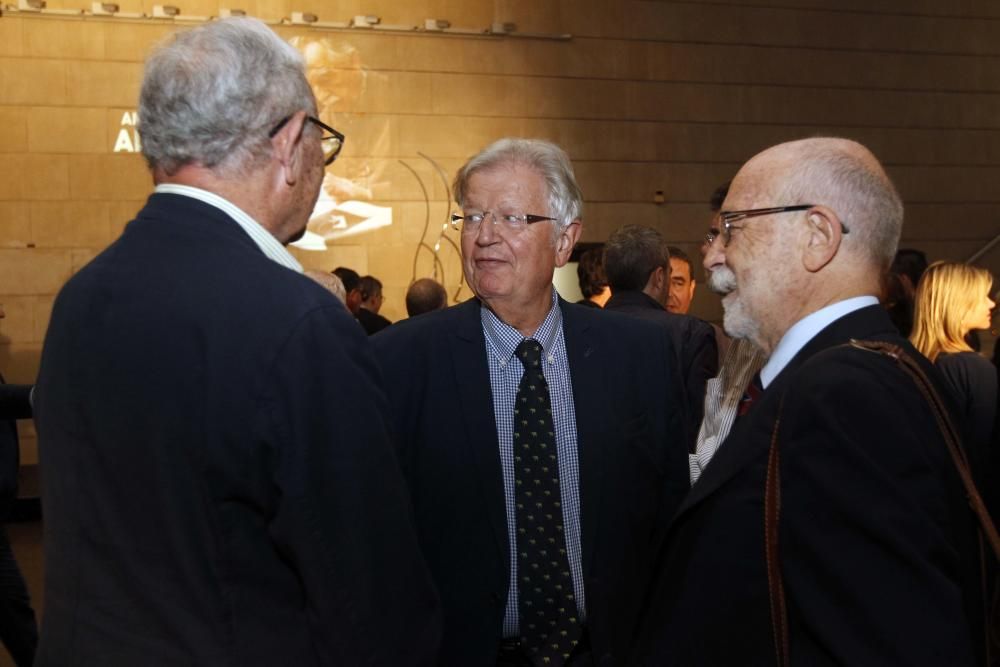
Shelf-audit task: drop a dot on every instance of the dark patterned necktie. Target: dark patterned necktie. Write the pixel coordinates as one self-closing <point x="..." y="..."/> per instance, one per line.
<point x="546" y="603"/>
<point x="750" y="396"/>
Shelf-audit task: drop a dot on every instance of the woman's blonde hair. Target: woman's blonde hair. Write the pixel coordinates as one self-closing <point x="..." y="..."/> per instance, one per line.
<point x="946" y="294"/>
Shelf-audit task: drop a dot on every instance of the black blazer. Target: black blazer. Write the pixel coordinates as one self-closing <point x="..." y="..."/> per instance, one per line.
<point x="219" y="486"/>
<point x="694" y="346"/>
<point x="14" y="404"/>
<point x="633" y="467"/>
<point x="875" y="538"/>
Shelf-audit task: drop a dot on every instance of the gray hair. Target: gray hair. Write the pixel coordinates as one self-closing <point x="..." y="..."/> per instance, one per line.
<point x="845" y="176"/>
<point x="631" y="254"/>
<point x="565" y="199"/>
<point x="210" y="95"/>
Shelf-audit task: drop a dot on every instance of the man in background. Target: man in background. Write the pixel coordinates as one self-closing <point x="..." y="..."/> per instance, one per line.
<point x="212" y="494"/>
<point x="593" y="281"/>
<point x="424" y="296"/>
<point x="637" y="263"/>
<point x="682" y="282"/>
<point x="371" y="302"/>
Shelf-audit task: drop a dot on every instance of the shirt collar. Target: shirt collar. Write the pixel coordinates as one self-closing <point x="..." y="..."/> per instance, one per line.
<point x="264" y="240"/>
<point x="503" y="339"/>
<point x="805" y="330"/>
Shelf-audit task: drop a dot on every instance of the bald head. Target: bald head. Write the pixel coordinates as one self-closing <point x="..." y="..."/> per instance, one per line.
<point x="844" y="176"/>
<point x="424" y="296"/>
<point x="820" y="223"/>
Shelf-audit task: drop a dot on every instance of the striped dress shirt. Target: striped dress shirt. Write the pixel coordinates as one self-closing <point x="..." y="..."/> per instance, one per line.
<point x="505" y="376"/>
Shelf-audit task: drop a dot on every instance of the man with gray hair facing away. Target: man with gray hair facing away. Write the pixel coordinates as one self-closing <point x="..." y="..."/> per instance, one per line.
<point x="209" y="496"/>
<point x="830" y="528"/>
<point x="538" y="437"/>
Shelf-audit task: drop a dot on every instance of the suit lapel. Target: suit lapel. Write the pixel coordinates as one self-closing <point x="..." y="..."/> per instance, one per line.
<point x="586" y="376"/>
<point x="472" y="377"/>
<point x="750" y="436"/>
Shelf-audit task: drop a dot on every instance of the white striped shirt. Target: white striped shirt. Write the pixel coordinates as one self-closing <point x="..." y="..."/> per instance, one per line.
<point x="264" y="240"/>
<point x="722" y="400"/>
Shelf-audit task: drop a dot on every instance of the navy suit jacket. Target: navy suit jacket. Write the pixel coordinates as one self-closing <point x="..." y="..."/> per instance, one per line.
<point x="876" y="542"/>
<point x="695" y="348"/>
<point x="633" y="467"/>
<point x="14" y="404"/>
<point x="219" y="484"/>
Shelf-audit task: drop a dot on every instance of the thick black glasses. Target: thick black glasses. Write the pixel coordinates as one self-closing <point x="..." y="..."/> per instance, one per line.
<point x="471" y="223"/>
<point x="332" y="142"/>
<point x="728" y="220"/>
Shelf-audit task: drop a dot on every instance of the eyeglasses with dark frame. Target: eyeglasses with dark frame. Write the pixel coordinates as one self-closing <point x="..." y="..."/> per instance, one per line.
<point x="727" y="220"/>
<point x="332" y="143"/>
<point x="471" y="223"/>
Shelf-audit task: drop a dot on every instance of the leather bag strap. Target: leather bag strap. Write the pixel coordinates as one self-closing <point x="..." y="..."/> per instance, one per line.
<point x="772" y="487"/>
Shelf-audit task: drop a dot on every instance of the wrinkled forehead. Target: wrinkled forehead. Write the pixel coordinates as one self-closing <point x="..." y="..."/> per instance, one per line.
<point x="759" y="183"/>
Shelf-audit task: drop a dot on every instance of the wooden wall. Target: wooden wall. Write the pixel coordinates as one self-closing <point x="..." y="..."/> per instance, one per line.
<point x="646" y="96"/>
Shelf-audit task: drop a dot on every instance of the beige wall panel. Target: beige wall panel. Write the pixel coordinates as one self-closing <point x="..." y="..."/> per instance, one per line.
<point x="19" y="362"/>
<point x="350" y="254"/>
<point x="543" y="16"/>
<point x="15" y="225"/>
<point x="812" y="106"/>
<point x="453" y="137"/>
<point x="108" y="177"/>
<point x="967" y="8"/>
<point x="68" y="130"/>
<point x="638" y="181"/>
<point x="796" y="27"/>
<point x="11" y="37"/>
<point x="103" y="84"/>
<point x="375" y="135"/>
<point x="268" y="10"/>
<point x="33" y="271"/>
<point x="26" y="176"/>
<point x="944" y="184"/>
<point x="14" y="129"/>
<point x="120" y="213"/>
<point x="582" y="18"/>
<point x="132" y="42"/>
<point x="81" y="257"/>
<point x="400" y="92"/>
<point x="24" y="81"/>
<point x="69" y="39"/>
<point x="19" y="324"/>
<point x="70" y="224"/>
<point x="791" y="66"/>
<point x="956" y="220"/>
<point x="42" y="313"/>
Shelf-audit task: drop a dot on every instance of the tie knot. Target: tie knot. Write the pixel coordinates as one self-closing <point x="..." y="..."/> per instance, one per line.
<point x="529" y="351"/>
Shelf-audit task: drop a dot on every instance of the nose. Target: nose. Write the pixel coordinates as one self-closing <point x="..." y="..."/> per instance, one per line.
<point x="715" y="254"/>
<point x="487" y="233"/>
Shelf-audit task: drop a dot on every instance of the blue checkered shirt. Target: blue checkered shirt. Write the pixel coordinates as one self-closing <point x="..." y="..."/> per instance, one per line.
<point x="505" y="376"/>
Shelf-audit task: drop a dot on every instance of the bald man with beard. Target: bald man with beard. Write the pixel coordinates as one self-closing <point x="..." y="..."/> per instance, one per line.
<point x="875" y="544"/>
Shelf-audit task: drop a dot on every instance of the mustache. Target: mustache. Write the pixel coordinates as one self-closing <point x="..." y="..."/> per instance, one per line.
<point x="722" y="280"/>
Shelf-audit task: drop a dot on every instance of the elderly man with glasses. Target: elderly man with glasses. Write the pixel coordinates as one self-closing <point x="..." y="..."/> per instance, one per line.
<point x="540" y="439"/>
<point x="209" y="495"/>
<point x="830" y="527"/>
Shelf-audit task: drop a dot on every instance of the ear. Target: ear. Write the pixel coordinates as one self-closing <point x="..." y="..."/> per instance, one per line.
<point x="659" y="279"/>
<point x="286" y="145"/>
<point x="568" y="236"/>
<point x="823" y="237"/>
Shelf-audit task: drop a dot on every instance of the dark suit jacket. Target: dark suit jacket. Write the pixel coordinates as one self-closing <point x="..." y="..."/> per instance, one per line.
<point x="694" y="345"/>
<point x="371" y="322"/>
<point x="14" y="404"/>
<point x="633" y="467"/>
<point x="219" y="485"/>
<point x="873" y="530"/>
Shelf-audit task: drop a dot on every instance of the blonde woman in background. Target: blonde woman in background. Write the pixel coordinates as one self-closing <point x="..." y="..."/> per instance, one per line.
<point x="952" y="299"/>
